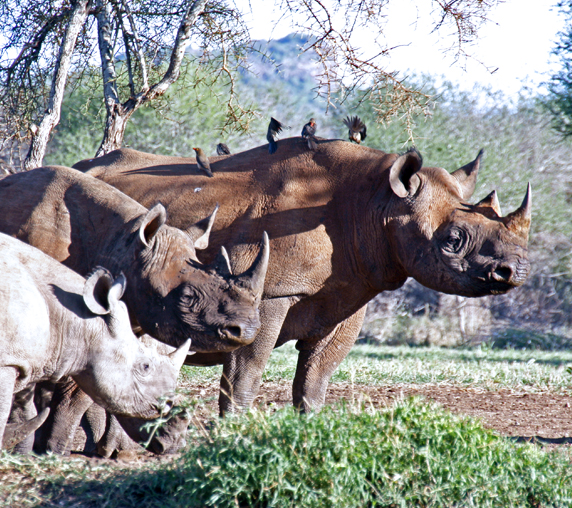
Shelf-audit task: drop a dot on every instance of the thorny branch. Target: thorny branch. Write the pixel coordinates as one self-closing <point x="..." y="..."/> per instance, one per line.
<point x="152" y="34"/>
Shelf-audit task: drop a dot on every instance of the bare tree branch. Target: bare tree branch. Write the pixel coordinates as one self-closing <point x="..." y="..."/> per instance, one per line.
<point x="52" y="114"/>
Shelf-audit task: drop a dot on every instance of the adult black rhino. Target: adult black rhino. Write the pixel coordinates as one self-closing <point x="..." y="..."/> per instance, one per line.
<point x="346" y="222"/>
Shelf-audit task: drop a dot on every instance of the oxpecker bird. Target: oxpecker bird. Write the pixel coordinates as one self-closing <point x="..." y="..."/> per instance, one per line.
<point x="274" y="128"/>
<point x="308" y="132"/>
<point x="357" y="129"/>
<point x="203" y="161"/>
<point x="222" y="149"/>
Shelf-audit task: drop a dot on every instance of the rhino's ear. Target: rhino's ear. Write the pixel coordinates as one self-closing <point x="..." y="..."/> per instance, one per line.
<point x="467" y="176"/>
<point x="96" y="291"/>
<point x="117" y="289"/>
<point x="200" y="231"/>
<point x="151" y="223"/>
<point x="402" y="178"/>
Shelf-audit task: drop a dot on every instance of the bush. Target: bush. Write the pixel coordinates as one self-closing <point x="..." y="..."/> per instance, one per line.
<point x="414" y="454"/>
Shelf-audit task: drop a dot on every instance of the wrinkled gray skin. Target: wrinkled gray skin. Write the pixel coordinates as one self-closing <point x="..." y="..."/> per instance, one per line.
<point x="83" y="222"/>
<point x="346" y="222"/>
<point x="108" y="433"/>
<point x="55" y="324"/>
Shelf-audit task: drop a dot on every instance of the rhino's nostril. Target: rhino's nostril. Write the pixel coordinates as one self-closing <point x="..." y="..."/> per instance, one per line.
<point x="232" y="332"/>
<point x="502" y="273"/>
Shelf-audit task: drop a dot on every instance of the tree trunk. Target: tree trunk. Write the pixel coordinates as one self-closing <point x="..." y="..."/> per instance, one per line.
<point x="115" y="124"/>
<point x="51" y="117"/>
<point x="118" y="114"/>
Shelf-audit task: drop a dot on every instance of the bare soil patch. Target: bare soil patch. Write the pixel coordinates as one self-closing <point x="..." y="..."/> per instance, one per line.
<point x="546" y="416"/>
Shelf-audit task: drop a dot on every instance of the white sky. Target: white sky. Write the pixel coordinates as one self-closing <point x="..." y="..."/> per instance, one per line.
<point x="517" y="42"/>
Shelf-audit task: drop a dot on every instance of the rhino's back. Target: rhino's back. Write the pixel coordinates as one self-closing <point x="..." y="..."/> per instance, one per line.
<point x="293" y="195"/>
<point x="48" y="206"/>
<point x="33" y="291"/>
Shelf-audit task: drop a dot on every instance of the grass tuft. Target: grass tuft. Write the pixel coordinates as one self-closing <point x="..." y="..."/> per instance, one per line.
<point x="412" y="454"/>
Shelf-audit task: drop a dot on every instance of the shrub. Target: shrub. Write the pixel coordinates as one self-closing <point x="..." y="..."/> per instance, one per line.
<point x="413" y="454"/>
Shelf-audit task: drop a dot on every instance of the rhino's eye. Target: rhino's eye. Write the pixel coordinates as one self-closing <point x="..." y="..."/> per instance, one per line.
<point x="455" y="241"/>
<point x="144" y="368"/>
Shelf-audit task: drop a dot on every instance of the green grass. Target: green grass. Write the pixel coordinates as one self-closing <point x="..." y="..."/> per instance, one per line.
<point x="482" y="367"/>
<point x="413" y="454"/>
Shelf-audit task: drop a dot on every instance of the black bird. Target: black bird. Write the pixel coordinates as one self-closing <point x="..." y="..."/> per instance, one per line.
<point x="203" y="161"/>
<point x="308" y="132"/>
<point x="222" y="149"/>
<point x="274" y="128"/>
<point x="357" y="129"/>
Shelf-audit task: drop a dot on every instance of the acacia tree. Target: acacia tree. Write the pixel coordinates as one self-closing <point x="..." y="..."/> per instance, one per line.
<point x="140" y="47"/>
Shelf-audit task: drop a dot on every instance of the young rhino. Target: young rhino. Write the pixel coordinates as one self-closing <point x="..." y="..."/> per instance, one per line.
<point x="54" y="324"/>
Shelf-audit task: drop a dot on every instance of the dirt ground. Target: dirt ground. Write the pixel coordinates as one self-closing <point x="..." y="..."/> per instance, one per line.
<point x="546" y="416"/>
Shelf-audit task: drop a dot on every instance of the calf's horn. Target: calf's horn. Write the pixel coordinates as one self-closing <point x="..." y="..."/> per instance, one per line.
<point x="178" y="357"/>
<point x="518" y="221"/>
<point x="255" y="275"/>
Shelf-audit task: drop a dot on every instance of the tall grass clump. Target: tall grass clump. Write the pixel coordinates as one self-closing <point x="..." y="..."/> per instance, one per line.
<point x="412" y="454"/>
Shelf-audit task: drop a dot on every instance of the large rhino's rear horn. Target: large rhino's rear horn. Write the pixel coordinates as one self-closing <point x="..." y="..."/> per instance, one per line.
<point x="221" y="264"/>
<point x="254" y="277"/>
<point x="519" y="221"/>
<point x="491" y="201"/>
<point x="467" y="176"/>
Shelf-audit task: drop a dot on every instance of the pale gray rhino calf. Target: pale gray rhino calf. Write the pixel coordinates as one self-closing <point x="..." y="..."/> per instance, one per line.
<point x="54" y="324"/>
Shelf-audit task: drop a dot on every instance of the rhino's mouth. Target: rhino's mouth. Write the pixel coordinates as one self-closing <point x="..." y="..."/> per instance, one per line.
<point x="485" y="287"/>
<point x="224" y="339"/>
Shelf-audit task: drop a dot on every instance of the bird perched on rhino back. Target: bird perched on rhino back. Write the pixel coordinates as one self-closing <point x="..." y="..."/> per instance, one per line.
<point x="308" y="133"/>
<point x="203" y="161"/>
<point x="274" y="128"/>
<point x="357" y="129"/>
<point x="222" y="149"/>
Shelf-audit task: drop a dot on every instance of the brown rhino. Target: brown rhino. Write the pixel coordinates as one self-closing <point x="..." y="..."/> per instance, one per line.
<point x="55" y="324"/>
<point x="84" y="222"/>
<point x="346" y="223"/>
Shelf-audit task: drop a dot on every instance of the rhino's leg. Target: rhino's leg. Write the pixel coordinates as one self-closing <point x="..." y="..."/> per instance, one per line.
<point x="67" y="408"/>
<point x="111" y="439"/>
<point x="317" y="362"/>
<point x="104" y="433"/>
<point x="94" y="424"/>
<point x="23" y="411"/>
<point x="242" y="370"/>
<point x="7" y="382"/>
<point x="169" y="438"/>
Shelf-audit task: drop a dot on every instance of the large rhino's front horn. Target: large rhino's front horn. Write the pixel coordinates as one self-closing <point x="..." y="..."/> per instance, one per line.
<point x="518" y="221"/>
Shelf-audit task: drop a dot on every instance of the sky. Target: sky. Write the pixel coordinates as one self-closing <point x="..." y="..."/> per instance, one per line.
<point x="516" y="43"/>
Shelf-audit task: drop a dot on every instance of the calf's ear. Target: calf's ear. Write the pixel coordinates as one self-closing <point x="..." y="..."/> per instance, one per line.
<point x="96" y="291"/>
<point x="402" y="175"/>
<point x="101" y="293"/>
<point x="151" y="223"/>
<point x="200" y="231"/>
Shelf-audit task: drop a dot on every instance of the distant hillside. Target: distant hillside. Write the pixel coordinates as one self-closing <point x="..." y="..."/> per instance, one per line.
<point x="281" y="62"/>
